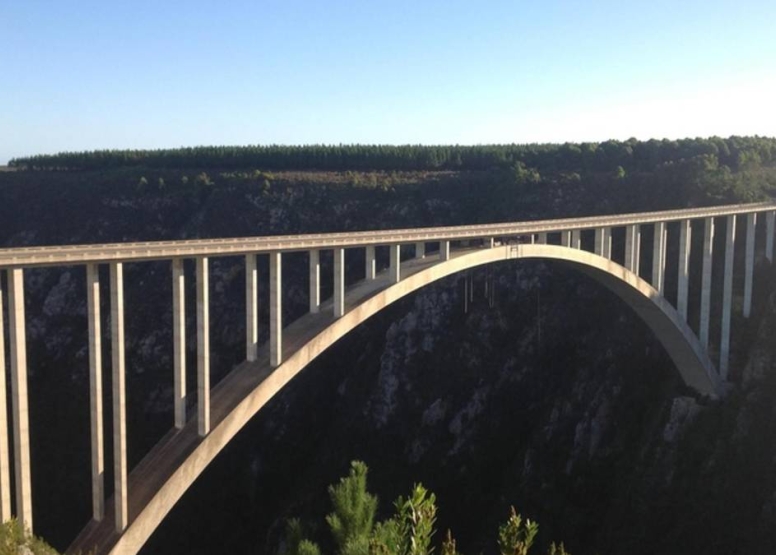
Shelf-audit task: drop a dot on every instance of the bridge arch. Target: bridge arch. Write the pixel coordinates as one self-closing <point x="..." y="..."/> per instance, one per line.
<point x="192" y="454"/>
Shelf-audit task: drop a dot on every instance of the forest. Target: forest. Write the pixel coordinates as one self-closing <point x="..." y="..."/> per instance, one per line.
<point x="736" y="153"/>
<point x="498" y="182"/>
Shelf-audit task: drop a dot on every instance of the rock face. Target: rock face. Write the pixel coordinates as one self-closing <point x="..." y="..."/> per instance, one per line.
<point x="555" y="399"/>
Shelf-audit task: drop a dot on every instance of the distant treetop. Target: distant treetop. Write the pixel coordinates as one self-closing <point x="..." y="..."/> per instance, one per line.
<point x="630" y="155"/>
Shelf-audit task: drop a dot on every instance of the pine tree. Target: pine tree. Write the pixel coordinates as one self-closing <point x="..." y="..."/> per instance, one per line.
<point x="352" y="520"/>
<point x="408" y="532"/>
<point x="448" y="545"/>
<point x="295" y="542"/>
<point x="516" y="537"/>
<point x="557" y="549"/>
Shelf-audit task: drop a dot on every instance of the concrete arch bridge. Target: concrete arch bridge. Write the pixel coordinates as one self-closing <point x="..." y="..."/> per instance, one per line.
<point x="143" y="495"/>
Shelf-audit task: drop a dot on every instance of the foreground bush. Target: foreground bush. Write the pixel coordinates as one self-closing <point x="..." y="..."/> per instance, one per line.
<point x="14" y="540"/>
<point x="408" y="532"/>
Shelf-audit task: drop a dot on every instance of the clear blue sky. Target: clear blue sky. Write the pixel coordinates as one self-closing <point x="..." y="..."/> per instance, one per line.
<point x="80" y="75"/>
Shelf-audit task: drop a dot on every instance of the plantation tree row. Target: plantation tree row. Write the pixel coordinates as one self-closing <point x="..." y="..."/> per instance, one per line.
<point x="631" y="155"/>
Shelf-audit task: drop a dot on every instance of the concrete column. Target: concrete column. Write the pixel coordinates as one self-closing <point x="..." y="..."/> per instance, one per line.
<point x="708" y="247"/>
<point x="315" y="279"/>
<point x="600" y="241"/>
<point x="576" y="239"/>
<point x="770" y="219"/>
<point x="444" y="250"/>
<point x="203" y="347"/>
<point x="119" y="395"/>
<point x="251" y="308"/>
<point x="633" y="248"/>
<point x="565" y="238"/>
<point x="275" y="309"/>
<point x="541" y="238"/>
<point x="603" y="242"/>
<point x="683" y="283"/>
<point x="21" y="425"/>
<point x="491" y="242"/>
<point x="5" y="466"/>
<point x="95" y="390"/>
<point x="179" y="341"/>
<point x="339" y="282"/>
<point x="395" y="266"/>
<point x="751" y="225"/>
<point x="727" y="297"/>
<point x="420" y="249"/>
<point x="371" y="265"/>
<point x="659" y="257"/>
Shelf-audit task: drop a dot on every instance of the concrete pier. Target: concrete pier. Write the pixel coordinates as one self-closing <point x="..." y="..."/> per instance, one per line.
<point x="751" y="226"/>
<point x="603" y="242"/>
<point x="420" y="249"/>
<point x="21" y="425"/>
<point x="95" y="391"/>
<point x="683" y="281"/>
<point x="565" y="239"/>
<point x="251" y="308"/>
<point x="770" y="219"/>
<point x="339" y="282"/>
<point x="598" y="248"/>
<point x="315" y="280"/>
<point x="576" y="239"/>
<point x="632" y="248"/>
<point x="275" y="309"/>
<point x="394" y="268"/>
<point x="179" y="341"/>
<point x="659" y="257"/>
<point x="118" y="379"/>
<point x="203" y="347"/>
<point x="5" y="465"/>
<point x="727" y="297"/>
<point x="541" y="239"/>
<point x="708" y="248"/>
<point x="444" y="250"/>
<point x="371" y="266"/>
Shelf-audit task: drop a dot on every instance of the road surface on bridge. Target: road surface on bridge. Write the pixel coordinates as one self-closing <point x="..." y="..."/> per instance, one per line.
<point x="156" y="250"/>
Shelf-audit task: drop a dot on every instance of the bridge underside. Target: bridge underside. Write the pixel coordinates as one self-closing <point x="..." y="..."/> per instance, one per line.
<point x="170" y="468"/>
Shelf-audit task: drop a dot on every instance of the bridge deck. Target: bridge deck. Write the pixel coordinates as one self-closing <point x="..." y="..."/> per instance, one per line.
<point x="162" y="250"/>
<point x="153" y="471"/>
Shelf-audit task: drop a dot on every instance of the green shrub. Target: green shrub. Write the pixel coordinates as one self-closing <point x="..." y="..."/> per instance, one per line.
<point x="408" y="532"/>
<point x="14" y="540"/>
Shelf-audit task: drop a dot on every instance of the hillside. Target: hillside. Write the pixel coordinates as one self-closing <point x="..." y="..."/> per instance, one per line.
<point x="583" y="425"/>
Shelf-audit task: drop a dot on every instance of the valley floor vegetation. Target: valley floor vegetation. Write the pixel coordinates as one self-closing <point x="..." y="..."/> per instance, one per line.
<point x="410" y="531"/>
